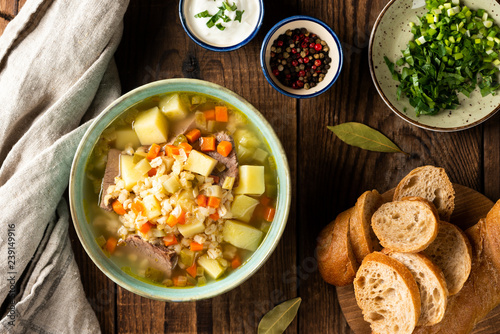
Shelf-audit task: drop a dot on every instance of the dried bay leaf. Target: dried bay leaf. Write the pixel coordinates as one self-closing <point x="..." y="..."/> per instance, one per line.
<point x="279" y="318"/>
<point x="362" y="136"/>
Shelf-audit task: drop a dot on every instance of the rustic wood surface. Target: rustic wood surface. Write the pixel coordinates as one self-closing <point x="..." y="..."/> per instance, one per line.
<point x="327" y="175"/>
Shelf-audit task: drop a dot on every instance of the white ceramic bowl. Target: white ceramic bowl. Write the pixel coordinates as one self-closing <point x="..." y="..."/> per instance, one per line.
<point x="325" y="33"/>
<point x="391" y="33"/>
<point x="183" y="5"/>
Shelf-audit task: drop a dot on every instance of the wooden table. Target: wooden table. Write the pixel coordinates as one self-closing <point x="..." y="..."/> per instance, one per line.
<point x="327" y="174"/>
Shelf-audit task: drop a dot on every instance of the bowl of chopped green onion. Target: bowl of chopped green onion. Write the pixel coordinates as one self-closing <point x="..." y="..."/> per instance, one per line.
<point x="435" y="63"/>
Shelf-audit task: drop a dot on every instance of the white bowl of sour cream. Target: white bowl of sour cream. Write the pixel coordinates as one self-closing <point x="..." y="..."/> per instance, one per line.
<point x="221" y="25"/>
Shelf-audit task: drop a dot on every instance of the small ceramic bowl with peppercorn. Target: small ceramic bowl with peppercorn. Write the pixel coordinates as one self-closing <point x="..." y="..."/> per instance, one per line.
<point x="301" y="57"/>
<point x="221" y="25"/>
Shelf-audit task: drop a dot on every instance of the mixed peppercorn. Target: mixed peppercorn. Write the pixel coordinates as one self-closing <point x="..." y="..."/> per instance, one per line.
<point x="299" y="59"/>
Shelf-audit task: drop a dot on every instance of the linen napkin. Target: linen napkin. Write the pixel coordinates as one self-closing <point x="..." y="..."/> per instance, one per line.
<point x="56" y="73"/>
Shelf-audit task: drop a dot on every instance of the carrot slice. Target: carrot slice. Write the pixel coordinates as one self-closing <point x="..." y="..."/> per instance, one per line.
<point x="170" y="239"/>
<point x="181" y="218"/>
<point x="269" y="214"/>
<point x="209" y="115"/>
<point x="118" y="207"/>
<point x="216" y="178"/>
<point x="213" y="202"/>
<point x="186" y="147"/>
<point x="201" y="200"/>
<point x="172" y="220"/>
<point x="221" y="114"/>
<point x="224" y="148"/>
<point x="236" y="262"/>
<point x="264" y="200"/>
<point x="207" y="144"/>
<point x="179" y="280"/>
<point x="153" y="151"/>
<point x="194" y="246"/>
<point x="214" y="216"/>
<point x="193" y="135"/>
<point x="171" y="150"/>
<point x="137" y="207"/>
<point x="192" y="270"/>
<point x="152" y="172"/>
<point x="146" y="227"/>
<point x="111" y="245"/>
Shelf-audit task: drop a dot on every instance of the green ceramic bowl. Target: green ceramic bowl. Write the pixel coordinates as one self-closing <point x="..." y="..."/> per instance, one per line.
<point x="83" y="226"/>
<point x="390" y="34"/>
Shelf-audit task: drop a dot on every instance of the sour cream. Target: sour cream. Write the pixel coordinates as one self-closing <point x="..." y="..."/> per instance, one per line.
<point x="234" y="32"/>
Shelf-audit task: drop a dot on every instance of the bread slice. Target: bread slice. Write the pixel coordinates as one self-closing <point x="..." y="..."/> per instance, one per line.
<point x="409" y="225"/>
<point x="363" y="239"/>
<point x="451" y="251"/>
<point x="336" y="261"/>
<point x="387" y="294"/>
<point x="431" y="283"/>
<point x="431" y="183"/>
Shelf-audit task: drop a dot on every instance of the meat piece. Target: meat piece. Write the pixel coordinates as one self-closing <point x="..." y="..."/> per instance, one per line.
<point x="231" y="161"/>
<point x="160" y="257"/>
<point x="112" y="171"/>
<point x="181" y="127"/>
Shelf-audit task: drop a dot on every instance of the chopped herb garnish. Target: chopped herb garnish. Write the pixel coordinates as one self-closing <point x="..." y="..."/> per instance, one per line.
<point x="203" y="14"/>
<point x="454" y="50"/>
<point x="215" y="18"/>
<point x="226" y="18"/>
<point x="239" y="13"/>
<point x="228" y="7"/>
<point x="220" y="26"/>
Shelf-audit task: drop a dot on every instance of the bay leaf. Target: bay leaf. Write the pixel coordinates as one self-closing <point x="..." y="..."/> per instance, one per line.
<point x="279" y="318"/>
<point x="362" y="136"/>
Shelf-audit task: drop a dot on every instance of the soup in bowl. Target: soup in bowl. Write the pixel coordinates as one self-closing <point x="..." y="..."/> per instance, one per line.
<point x="180" y="190"/>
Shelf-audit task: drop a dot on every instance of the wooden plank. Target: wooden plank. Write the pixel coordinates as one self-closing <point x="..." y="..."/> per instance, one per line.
<point x="8" y="8"/>
<point x="491" y="158"/>
<point x="3" y="25"/>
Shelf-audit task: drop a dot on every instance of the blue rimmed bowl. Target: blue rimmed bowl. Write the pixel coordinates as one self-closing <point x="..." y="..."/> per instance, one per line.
<point x="83" y="225"/>
<point x="225" y="40"/>
<point x="325" y="33"/>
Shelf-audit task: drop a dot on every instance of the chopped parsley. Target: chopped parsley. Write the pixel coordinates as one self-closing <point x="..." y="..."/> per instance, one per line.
<point x="239" y="13"/>
<point x="203" y="14"/>
<point x="220" y="15"/>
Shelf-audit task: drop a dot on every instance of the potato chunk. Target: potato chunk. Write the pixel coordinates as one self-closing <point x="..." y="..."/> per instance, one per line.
<point x="212" y="267"/>
<point x="252" y="181"/>
<point x="243" y="207"/>
<point x="151" y="127"/>
<point x="242" y="235"/>
<point x="126" y="137"/>
<point x="191" y="229"/>
<point x="152" y="208"/>
<point x="200" y="163"/>
<point x="173" y="107"/>
<point x="128" y="172"/>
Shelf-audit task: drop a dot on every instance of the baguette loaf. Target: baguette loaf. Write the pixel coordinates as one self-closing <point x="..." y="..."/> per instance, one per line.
<point x="387" y="294"/>
<point x="431" y="283"/>
<point x="451" y="251"/>
<point x="409" y="225"/>
<point x="336" y="261"/>
<point x="363" y="239"/>
<point x="481" y="293"/>
<point x="431" y="183"/>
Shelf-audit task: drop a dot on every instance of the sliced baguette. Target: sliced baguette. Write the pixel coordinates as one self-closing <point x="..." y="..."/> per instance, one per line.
<point x="387" y="294"/>
<point x="363" y="239"/>
<point x="408" y="225"/>
<point x="431" y="283"/>
<point x="431" y="183"/>
<point x="451" y="251"/>
<point x="336" y="261"/>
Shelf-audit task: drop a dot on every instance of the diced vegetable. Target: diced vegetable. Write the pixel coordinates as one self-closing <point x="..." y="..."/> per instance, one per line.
<point x="111" y="244"/>
<point x="246" y="138"/>
<point x="170" y="239"/>
<point x="228" y="182"/>
<point x="152" y="172"/>
<point x="179" y="140"/>
<point x="260" y="155"/>
<point x="214" y="190"/>
<point x="125" y="138"/>
<point x="243" y="207"/>
<point x="139" y="155"/>
<point x="172" y="184"/>
<point x="212" y="267"/>
<point x="207" y="144"/>
<point x="118" y="207"/>
<point x="128" y="172"/>
<point x="195" y="247"/>
<point x="265" y="226"/>
<point x="209" y="115"/>
<point x="236" y="262"/>
<point x="180" y="281"/>
<point x="146" y="227"/>
<point x="153" y="151"/>
<point x="242" y="235"/>
<point x="173" y="107"/>
<point x="151" y="127"/>
<point x="171" y="150"/>
<point x="142" y="167"/>
<point x="101" y="241"/>
<point x="193" y="135"/>
<point x="200" y="163"/>
<point x="224" y="148"/>
<point x="214" y="216"/>
<point x="201" y="200"/>
<point x="191" y="229"/>
<point x="221" y="114"/>
<point x="252" y="181"/>
<point x="200" y="271"/>
<point x="213" y="202"/>
<point x="154" y="274"/>
<point x="137" y="207"/>
<point x="264" y="200"/>
<point x="269" y="213"/>
<point x="171" y="220"/>
<point x="192" y="270"/>
<point x="152" y="208"/>
<point x="186" y="257"/>
<point x="186" y="147"/>
<point x="202" y="281"/>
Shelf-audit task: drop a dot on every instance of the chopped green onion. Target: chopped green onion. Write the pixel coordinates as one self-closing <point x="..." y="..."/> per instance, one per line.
<point x="239" y="14"/>
<point x="202" y="14"/>
<point x="220" y="26"/>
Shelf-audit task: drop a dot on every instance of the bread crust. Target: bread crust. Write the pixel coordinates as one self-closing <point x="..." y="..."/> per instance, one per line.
<point x="336" y="261"/>
<point x="363" y="239"/>
<point x="448" y="191"/>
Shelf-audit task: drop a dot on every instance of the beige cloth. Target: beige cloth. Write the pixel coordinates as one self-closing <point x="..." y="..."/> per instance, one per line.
<point x="56" y="72"/>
